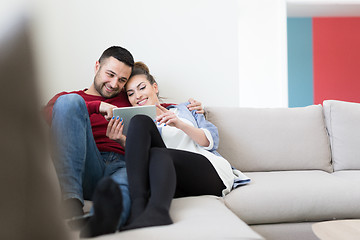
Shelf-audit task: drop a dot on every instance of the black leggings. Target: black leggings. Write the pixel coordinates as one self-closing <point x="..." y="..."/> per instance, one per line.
<point x="157" y="174"/>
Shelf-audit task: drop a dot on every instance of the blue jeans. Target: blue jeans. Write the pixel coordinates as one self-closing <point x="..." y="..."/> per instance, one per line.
<point x="78" y="162"/>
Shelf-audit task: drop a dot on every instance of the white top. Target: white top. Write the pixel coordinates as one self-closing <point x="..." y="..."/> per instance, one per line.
<point x="177" y="139"/>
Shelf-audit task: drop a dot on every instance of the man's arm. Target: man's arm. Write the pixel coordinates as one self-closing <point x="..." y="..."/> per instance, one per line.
<point x="195" y="105"/>
<point x="93" y="107"/>
<point x="106" y="109"/>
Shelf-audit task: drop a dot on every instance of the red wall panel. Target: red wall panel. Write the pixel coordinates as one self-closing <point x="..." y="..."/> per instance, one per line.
<point x="336" y="59"/>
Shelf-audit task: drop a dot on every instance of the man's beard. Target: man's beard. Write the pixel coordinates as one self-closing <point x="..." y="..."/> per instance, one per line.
<point x="100" y="89"/>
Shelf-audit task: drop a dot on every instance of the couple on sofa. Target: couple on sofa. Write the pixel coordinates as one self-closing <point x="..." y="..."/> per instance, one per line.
<point x="175" y="157"/>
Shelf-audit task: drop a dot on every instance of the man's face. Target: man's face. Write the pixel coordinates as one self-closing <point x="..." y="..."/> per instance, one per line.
<point x="110" y="77"/>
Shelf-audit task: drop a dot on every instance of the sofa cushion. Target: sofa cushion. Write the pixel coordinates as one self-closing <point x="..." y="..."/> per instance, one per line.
<point x="343" y="124"/>
<point x="295" y="196"/>
<point x="204" y="217"/>
<point x="286" y="231"/>
<point x="272" y="139"/>
<point x="351" y="175"/>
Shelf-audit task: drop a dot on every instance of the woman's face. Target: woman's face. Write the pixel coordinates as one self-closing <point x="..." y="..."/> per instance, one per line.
<point x="140" y="92"/>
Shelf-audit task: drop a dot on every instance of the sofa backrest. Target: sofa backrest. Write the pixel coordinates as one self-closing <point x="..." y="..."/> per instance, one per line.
<point x="343" y="124"/>
<point x="273" y="139"/>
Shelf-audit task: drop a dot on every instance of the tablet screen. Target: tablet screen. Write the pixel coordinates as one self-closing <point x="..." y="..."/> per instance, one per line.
<point x="126" y="113"/>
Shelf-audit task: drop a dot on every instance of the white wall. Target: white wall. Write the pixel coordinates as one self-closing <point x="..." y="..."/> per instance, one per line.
<point x="224" y="53"/>
<point x="190" y="46"/>
<point x="262" y="53"/>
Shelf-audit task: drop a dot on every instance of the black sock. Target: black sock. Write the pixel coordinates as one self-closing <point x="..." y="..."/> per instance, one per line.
<point x="138" y="206"/>
<point x="108" y="206"/>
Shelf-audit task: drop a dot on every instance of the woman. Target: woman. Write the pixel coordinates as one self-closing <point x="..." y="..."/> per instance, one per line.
<point x="175" y="157"/>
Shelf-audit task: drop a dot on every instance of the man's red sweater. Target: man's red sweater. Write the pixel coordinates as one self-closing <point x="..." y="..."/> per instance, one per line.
<point x="98" y="122"/>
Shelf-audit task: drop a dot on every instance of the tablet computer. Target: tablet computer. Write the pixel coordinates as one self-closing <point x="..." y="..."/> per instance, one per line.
<point x="126" y="113"/>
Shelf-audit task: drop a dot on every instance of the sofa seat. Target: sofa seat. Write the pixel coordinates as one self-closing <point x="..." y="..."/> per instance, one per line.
<point x="286" y="231"/>
<point x="296" y="196"/>
<point x="351" y="175"/>
<point x="203" y="217"/>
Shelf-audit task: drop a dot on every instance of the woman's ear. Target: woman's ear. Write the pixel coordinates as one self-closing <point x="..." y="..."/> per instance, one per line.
<point x="155" y="86"/>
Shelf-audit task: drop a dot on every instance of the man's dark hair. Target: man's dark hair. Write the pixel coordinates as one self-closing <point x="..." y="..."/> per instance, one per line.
<point x="120" y="54"/>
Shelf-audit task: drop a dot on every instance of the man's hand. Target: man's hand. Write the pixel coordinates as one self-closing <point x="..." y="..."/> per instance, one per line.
<point x="114" y="131"/>
<point x="195" y="105"/>
<point x="105" y="109"/>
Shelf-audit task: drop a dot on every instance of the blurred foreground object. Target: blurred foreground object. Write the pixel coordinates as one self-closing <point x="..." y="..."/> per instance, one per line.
<point x="27" y="195"/>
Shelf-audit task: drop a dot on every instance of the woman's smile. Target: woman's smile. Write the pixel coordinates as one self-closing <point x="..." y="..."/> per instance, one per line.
<point x="141" y="92"/>
<point x="142" y="102"/>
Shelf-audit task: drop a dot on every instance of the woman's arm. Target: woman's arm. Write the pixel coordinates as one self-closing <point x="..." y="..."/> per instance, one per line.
<point x="170" y="118"/>
<point x="211" y="130"/>
<point x="196" y="134"/>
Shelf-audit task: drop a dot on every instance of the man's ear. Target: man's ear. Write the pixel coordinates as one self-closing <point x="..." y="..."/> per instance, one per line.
<point x="97" y="66"/>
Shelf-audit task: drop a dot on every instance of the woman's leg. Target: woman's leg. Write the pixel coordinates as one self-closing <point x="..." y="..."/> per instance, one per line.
<point x="162" y="179"/>
<point x="195" y="175"/>
<point x="141" y="137"/>
<point x="189" y="173"/>
<point x="150" y="165"/>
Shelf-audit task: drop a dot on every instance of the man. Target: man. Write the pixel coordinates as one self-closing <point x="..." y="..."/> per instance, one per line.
<point x="84" y="154"/>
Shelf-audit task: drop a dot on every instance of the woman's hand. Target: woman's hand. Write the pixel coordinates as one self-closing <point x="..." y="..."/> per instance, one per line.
<point x="168" y="117"/>
<point x="114" y="131"/>
<point x="106" y="109"/>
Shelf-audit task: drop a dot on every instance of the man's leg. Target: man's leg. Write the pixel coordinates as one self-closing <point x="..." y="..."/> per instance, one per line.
<point x="111" y="199"/>
<point x="106" y="211"/>
<point x="77" y="161"/>
<point x="116" y="169"/>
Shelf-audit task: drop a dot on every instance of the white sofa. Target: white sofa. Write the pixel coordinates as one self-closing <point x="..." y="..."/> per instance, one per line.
<point x="304" y="164"/>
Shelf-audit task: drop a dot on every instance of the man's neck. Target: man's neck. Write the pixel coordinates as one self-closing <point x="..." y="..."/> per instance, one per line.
<point x="92" y="91"/>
